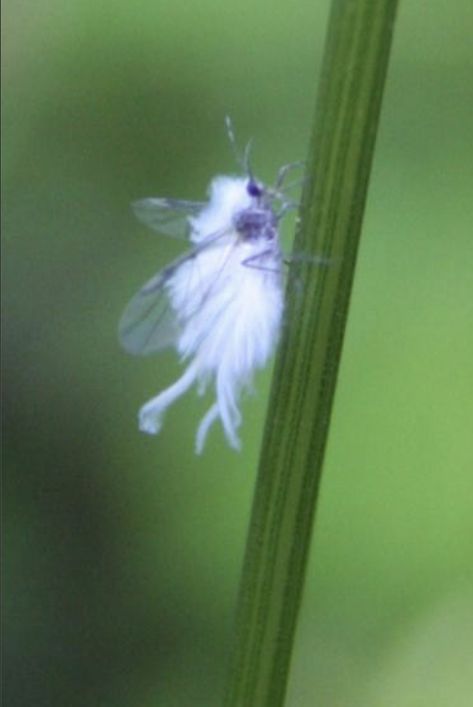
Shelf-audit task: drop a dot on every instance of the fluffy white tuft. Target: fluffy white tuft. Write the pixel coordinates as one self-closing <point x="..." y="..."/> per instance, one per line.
<point x="228" y="304"/>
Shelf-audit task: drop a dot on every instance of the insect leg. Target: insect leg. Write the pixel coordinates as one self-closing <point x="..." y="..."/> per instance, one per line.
<point x="252" y="261"/>
<point x="284" y="171"/>
<point x="286" y="206"/>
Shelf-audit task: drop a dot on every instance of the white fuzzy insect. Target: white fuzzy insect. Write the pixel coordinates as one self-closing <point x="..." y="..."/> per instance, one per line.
<point x="220" y="304"/>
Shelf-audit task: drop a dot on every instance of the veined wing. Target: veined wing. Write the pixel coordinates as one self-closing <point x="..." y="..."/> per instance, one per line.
<point x="168" y="216"/>
<point x="149" y="323"/>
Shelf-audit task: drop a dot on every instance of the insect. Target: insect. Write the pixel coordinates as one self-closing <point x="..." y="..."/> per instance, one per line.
<point x="220" y="304"/>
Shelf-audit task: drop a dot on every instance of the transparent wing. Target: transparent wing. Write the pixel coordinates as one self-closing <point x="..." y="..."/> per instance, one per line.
<point x="168" y="216"/>
<point x="148" y="323"/>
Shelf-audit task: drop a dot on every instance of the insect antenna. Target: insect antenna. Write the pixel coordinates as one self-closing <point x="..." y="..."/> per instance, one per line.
<point x="242" y="159"/>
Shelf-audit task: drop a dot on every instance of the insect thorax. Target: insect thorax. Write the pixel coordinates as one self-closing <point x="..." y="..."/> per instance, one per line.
<point x="255" y="223"/>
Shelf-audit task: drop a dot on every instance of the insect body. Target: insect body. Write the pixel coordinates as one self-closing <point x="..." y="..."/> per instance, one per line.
<point x="219" y="305"/>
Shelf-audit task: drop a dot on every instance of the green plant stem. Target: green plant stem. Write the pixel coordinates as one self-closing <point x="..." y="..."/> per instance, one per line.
<point x="347" y="114"/>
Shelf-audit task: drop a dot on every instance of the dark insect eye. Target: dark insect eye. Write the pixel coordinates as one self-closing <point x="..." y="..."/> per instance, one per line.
<point x="254" y="189"/>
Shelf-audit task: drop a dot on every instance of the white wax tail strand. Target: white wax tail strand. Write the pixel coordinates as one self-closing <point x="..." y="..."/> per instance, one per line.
<point x="228" y="408"/>
<point x="151" y="413"/>
<point x="206" y="423"/>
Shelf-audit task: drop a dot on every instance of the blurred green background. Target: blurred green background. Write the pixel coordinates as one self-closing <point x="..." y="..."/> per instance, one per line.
<point x="123" y="551"/>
